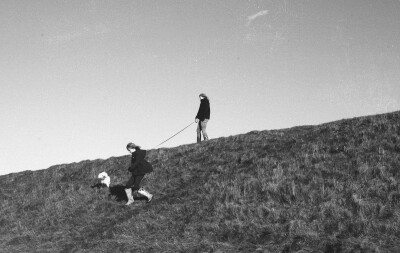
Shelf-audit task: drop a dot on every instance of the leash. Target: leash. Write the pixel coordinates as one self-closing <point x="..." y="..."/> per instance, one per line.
<point x="175" y="134"/>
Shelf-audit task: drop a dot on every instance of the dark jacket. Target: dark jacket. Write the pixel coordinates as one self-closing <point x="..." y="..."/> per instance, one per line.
<point x="204" y="110"/>
<point x="139" y="166"/>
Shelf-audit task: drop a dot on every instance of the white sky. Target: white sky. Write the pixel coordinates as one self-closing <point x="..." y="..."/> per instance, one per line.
<point x="81" y="79"/>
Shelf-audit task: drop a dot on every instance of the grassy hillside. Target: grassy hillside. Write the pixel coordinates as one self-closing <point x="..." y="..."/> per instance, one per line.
<point x="327" y="188"/>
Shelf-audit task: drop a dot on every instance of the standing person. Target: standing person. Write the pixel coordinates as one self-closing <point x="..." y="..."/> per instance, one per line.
<point x="202" y="117"/>
<point x="139" y="167"/>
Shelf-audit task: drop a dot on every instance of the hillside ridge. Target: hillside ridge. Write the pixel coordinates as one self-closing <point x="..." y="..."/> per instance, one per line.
<point x="232" y="136"/>
<point x="332" y="187"/>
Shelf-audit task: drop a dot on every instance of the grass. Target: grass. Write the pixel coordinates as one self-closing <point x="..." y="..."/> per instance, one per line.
<point x="327" y="188"/>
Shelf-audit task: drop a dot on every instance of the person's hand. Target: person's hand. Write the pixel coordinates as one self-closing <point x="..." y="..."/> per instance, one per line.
<point x="197" y="120"/>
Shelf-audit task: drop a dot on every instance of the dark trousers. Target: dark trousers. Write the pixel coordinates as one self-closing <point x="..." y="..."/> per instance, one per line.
<point x="134" y="182"/>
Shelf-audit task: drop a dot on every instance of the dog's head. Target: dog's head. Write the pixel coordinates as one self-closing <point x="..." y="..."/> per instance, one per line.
<point x="103" y="175"/>
<point x="105" y="179"/>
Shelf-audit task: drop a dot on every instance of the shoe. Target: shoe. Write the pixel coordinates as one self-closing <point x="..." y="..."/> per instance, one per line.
<point x="145" y="193"/>
<point x="129" y="202"/>
<point x="130" y="197"/>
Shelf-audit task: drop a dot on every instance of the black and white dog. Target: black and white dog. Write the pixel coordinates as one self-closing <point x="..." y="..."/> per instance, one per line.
<point x="105" y="181"/>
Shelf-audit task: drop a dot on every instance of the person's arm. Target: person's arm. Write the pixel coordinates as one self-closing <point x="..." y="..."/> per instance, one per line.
<point x="200" y="113"/>
<point x="133" y="158"/>
<point x="207" y="111"/>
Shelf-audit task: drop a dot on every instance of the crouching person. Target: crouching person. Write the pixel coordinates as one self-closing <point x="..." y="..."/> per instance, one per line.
<point x="139" y="167"/>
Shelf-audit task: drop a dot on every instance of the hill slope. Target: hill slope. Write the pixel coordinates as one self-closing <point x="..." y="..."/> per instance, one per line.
<point x="327" y="188"/>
